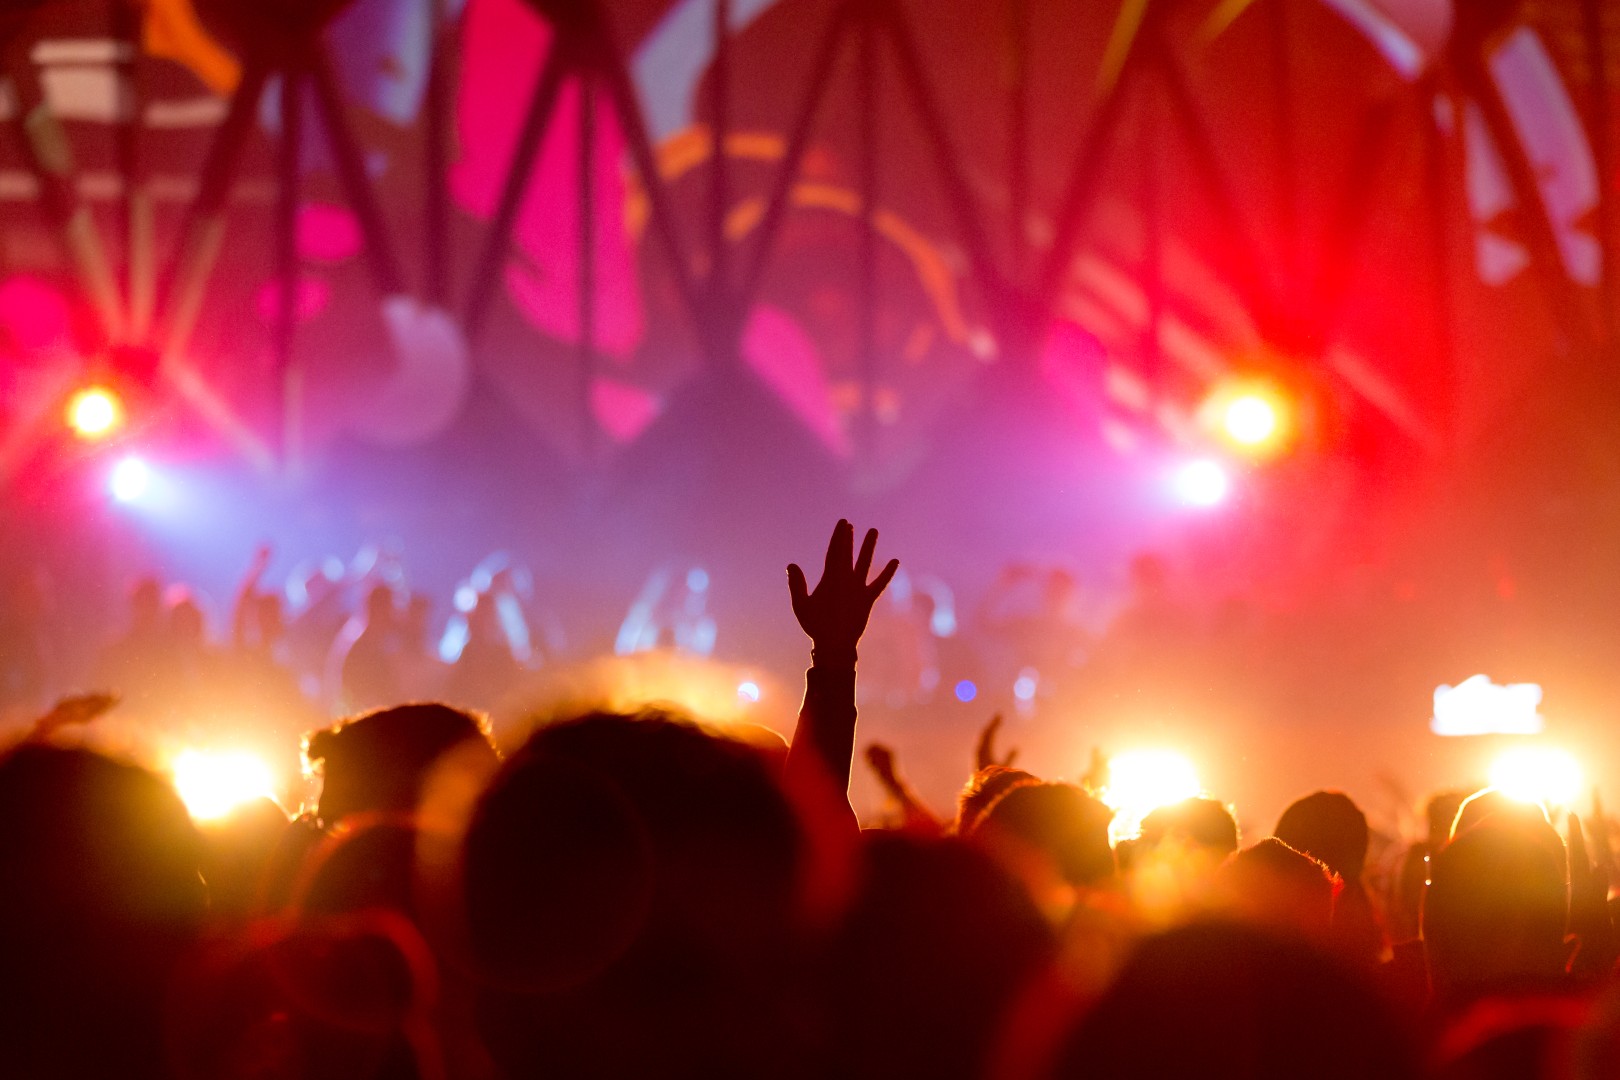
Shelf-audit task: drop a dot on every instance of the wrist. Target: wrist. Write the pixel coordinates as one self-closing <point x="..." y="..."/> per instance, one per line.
<point x="832" y="656"/>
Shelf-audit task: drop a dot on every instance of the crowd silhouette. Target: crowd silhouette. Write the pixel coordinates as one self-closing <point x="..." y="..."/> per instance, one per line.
<point x="652" y="895"/>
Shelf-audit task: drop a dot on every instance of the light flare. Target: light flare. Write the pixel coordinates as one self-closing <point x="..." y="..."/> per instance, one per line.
<point x="1538" y="774"/>
<point x="1141" y="781"/>
<point x="212" y="783"/>
<point x="94" y="413"/>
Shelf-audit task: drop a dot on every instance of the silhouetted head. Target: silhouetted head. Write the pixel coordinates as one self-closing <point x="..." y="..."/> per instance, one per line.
<point x="379" y="760"/>
<point x="927" y="961"/>
<point x="983" y="788"/>
<point x="634" y="874"/>
<point x="1057" y="823"/>
<point x="146" y="605"/>
<point x="187" y="625"/>
<point x="1495" y="911"/>
<point x="1198" y="822"/>
<point x="1328" y="826"/>
<point x="1440" y="812"/>
<point x="1273" y="886"/>
<point x="1224" y="1002"/>
<point x="1492" y="803"/>
<point x="102" y="898"/>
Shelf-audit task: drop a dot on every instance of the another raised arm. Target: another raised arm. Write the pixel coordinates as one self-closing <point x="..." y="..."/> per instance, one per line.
<point x="833" y="615"/>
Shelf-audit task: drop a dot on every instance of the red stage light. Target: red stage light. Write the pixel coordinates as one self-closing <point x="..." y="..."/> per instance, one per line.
<point x="94" y="413"/>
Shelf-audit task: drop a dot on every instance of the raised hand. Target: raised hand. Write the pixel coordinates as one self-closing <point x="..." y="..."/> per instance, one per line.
<point x="881" y="758"/>
<point x="984" y="754"/>
<point x="835" y="613"/>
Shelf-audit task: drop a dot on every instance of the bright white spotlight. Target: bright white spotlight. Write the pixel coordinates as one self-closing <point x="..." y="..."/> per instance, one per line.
<point x="1250" y="420"/>
<point x="1141" y="781"/>
<point x="213" y="783"/>
<point x="131" y="479"/>
<point x="1539" y="774"/>
<point x="748" y="691"/>
<point x="1202" y="483"/>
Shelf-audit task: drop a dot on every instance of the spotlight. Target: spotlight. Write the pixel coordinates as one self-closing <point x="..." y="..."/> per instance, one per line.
<point x="1141" y="781"/>
<point x="94" y="413"/>
<point x="1250" y="420"/>
<point x="131" y="479"/>
<point x="1203" y="482"/>
<point x="748" y="691"/>
<point x="1252" y="415"/>
<point x="213" y="783"/>
<point x="1540" y="774"/>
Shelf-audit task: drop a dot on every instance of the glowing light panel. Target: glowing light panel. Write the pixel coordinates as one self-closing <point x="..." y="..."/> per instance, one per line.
<point x="94" y="413"/>
<point x="213" y="783"/>
<point x="1202" y="483"/>
<point x="131" y="479"/>
<point x="1541" y="774"/>
<point x="1477" y="706"/>
<point x="1141" y="781"/>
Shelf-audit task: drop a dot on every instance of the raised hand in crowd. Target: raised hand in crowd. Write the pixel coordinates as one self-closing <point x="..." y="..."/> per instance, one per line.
<point x="833" y="615"/>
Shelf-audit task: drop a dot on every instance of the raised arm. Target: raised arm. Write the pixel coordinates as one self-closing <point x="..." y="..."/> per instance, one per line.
<point x="834" y="616"/>
<point x="917" y="818"/>
<point x="246" y="593"/>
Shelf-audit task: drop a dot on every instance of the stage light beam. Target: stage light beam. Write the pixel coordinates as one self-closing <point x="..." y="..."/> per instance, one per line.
<point x="213" y="783"/>
<point x="94" y="413"/>
<point x="1539" y="774"/>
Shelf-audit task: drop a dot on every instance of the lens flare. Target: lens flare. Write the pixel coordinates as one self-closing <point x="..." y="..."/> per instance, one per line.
<point x="131" y="479"/>
<point x="1250" y="420"/>
<point x="1202" y="483"/>
<point x="1541" y="774"/>
<point x="1141" y="781"/>
<point x="94" y="413"/>
<point x="212" y="783"/>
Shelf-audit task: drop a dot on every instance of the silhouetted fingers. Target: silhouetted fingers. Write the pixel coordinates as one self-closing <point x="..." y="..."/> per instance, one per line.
<point x="840" y="549"/>
<point x="863" y="564"/>
<point x="796" y="587"/>
<point x="1579" y="864"/>
<point x="884" y="578"/>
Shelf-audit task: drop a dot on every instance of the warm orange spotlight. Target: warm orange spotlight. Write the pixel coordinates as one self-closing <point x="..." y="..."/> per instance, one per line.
<point x="1250" y="420"/>
<point x="1253" y="416"/>
<point x="94" y="413"/>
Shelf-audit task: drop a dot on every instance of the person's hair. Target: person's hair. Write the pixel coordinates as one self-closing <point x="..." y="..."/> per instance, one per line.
<point x="1058" y="820"/>
<point x="102" y="897"/>
<point x="926" y="963"/>
<point x="1329" y="826"/>
<point x="1199" y="821"/>
<point x="1496" y="907"/>
<point x="1488" y="803"/>
<point x="1273" y="885"/>
<point x="378" y="761"/>
<point x="1227" y="1002"/>
<point x="983" y="788"/>
<point x="610" y="855"/>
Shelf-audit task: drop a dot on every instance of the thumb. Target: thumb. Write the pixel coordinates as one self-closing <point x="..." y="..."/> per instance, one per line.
<point x="796" y="586"/>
